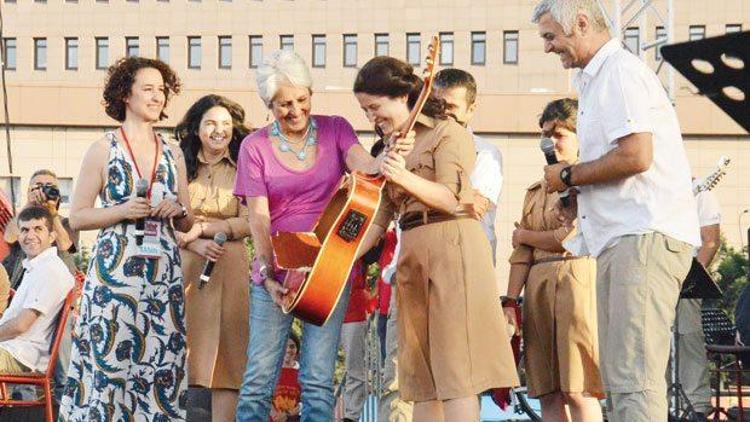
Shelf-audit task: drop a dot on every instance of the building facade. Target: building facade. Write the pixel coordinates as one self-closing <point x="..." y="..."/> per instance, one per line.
<point x="56" y="53"/>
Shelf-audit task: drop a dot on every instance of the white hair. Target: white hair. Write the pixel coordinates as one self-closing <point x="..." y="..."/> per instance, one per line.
<point x="281" y="67"/>
<point x="564" y="12"/>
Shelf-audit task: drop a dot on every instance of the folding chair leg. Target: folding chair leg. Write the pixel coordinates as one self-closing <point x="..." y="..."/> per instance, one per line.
<point x="739" y="387"/>
<point x="48" y="401"/>
<point x="4" y="391"/>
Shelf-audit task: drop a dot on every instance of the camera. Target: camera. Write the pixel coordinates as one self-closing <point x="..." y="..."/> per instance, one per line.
<point x="51" y="192"/>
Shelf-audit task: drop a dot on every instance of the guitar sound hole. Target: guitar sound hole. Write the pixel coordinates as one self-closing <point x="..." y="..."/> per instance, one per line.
<point x="352" y="225"/>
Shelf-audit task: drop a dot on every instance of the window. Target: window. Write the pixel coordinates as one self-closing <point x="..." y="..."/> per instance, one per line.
<point x="194" y="52"/>
<point x="661" y="33"/>
<point x="66" y="190"/>
<point x="318" y="51"/>
<point x="350" y="50"/>
<point x="382" y="42"/>
<point x="478" y="48"/>
<point x="225" y="52"/>
<point x="5" y="182"/>
<point x="286" y="42"/>
<point x="102" y="53"/>
<point x="162" y="49"/>
<point x="40" y="53"/>
<point x="132" y="46"/>
<point x="632" y="40"/>
<point x="510" y="47"/>
<point x="413" y="49"/>
<point x="697" y="32"/>
<point x="734" y="27"/>
<point x="9" y="53"/>
<point x="256" y="50"/>
<point x="446" y="48"/>
<point x="71" y="53"/>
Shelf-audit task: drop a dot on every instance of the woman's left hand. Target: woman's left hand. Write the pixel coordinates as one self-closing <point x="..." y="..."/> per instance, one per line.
<point x="184" y="238"/>
<point x="517" y="235"/>
<point x="393" y="167"/>
<point x="403" y="145"/>
<point x="167" y="208"/>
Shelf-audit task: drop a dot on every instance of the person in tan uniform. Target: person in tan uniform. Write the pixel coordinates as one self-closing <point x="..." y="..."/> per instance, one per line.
<point x="452" y="339"/>
<point x="217" y="314"/>
<point x="559" y="308"/>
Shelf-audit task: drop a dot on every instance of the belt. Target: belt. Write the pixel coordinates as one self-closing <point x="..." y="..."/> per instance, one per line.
<point x="414" y="219"/>
<point x="557" y="258"/>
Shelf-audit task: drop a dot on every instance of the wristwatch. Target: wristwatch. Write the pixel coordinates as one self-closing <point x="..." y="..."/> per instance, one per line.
<point x="265" y="272"/>
<point x="184" y="211"/>
<point x="508" y="301"/>
<point x="565" y="175"/>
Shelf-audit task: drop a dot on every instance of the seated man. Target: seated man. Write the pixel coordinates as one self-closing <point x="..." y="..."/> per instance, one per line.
<point x="27" y="325"/>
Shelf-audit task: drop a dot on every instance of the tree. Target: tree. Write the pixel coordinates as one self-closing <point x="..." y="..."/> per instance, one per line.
<point x="731" y="272"/>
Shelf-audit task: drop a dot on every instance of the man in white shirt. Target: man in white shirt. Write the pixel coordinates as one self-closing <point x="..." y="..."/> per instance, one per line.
<point x="635" y="208"/>
<point x="27" y="326"/>
<point x="459" y="91"/>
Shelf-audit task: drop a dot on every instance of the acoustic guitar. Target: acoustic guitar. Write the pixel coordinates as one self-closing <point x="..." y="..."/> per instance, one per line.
<point x="318" y="263"/>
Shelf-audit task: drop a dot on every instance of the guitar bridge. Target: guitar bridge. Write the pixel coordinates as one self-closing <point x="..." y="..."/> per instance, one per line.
<point x="352" y="225"/>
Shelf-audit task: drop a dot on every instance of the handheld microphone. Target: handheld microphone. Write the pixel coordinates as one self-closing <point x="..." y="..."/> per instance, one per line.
<point x="141" y="190"/>
<point x="219" y="238"/>
<point x="547" y="146"/>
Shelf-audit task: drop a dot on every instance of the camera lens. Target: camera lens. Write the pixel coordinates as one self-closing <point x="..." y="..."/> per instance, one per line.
<point x="51" y="192"/>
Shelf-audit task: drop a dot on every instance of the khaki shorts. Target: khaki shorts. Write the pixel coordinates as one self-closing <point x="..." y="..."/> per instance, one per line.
<point x="9" y="365"/>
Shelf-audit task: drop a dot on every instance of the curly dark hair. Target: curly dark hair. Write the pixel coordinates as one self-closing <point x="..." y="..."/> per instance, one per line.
<point x="187" y="130"/>
<point x="564" y="112"/>
<point x="120" y="79"/>
<point x="386" y="76"/>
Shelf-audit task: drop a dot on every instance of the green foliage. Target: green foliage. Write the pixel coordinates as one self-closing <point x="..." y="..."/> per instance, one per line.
<point x="82" y="258"/>
<point x="731" y="267"/>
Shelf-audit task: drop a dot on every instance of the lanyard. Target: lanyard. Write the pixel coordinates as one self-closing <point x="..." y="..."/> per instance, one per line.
<point x="135" y="163"/>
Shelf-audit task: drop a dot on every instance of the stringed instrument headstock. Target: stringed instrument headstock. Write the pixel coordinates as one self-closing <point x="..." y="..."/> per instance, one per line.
<point x="428" y="76"/>
<point x="709" y="182"/>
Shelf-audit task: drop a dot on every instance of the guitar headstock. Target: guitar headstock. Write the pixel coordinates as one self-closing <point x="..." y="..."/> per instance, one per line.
<point x="710" y="181"/>
<point x="428" y="74"/>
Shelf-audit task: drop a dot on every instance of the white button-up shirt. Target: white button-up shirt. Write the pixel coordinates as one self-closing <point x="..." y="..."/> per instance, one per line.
<point x="618" y="96"/>
<point x="487" y="178"/>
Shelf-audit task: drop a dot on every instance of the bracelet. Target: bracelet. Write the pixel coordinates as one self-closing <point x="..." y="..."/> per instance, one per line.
<point x="508" y="302"/>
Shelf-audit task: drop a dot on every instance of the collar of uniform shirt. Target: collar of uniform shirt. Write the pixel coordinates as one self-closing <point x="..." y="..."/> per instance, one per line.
<point x="28" y="264"/>
<point x="225" y="156"/>
<point x="592" y="68"/>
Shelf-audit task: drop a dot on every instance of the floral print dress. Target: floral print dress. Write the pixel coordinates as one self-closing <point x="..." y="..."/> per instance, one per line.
<point x="128" y="355"/>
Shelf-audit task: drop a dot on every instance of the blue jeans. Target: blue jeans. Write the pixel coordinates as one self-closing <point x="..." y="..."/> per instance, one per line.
<point x="269" y="331"/>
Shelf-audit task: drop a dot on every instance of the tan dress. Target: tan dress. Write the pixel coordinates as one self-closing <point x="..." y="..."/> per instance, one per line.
<point x="559" y="308"/>
<point x="217" y="315"/>
<point x="451" y="333"/>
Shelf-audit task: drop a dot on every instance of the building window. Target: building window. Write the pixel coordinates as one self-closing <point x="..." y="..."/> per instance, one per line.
<point x="413" y="49"/>
<point x="286" y="42"/>
<point x="382" y="43"/>
<point x="661" y="33"/>
<point x="256" y="51"/>
<point x="510" y="47"/>
<point x="350" y="50"/>
<point x="71" y="53"/>
<point x="40" y="53"/>
<point x="318" y="51"/>
<point x="132" y="46"/>
<point x="225" y="52"/>
<point x="102" y="53"/>
<point x="446" y="48"/>
<point x="697" y="32"/>
<point x="734" y="27"/>
<point x="478" y="48"/>
<point x="162" y="49"/>
<point x="9" y="53"/>
<point x="5" y="182"/>
<point x="632" y="40"/>
<point x="194" y="52"/>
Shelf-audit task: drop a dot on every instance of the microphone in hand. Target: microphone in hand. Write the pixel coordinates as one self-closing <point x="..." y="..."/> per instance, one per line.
<point x="547" y="146"/>
<point x="205" y="277"/>
<point x="141" y="190"/>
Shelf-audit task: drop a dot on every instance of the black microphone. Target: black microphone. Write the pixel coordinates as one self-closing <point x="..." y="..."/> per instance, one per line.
<point x="219" y="238"/>
<point x="141" y="190"/>
<point x="548" y="148"/>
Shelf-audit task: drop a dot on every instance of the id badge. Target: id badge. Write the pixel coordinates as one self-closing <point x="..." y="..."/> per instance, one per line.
<point x="151" y="247"/>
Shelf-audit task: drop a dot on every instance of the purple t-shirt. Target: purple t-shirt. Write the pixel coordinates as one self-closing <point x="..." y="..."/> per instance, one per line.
<point x="295" y="198"/>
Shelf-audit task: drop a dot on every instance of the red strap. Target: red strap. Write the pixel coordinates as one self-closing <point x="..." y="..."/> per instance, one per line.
<point x="135" y="163"/>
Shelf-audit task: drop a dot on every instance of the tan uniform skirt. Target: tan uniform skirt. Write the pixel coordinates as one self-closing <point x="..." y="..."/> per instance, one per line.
<point x="452" y="337"/>
<point x="217" y="318"/>
<point x="561" y="350"/>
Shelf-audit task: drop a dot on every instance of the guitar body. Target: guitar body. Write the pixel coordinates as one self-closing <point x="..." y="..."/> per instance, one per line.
<point x="319" y="262"/>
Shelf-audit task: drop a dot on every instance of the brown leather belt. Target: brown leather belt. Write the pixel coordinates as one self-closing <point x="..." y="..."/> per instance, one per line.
<point x="557" y="258"/>
<point x="414" y="219"/>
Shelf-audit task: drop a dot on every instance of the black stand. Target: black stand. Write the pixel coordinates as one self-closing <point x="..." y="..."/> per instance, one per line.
<point x="697" y="285"/>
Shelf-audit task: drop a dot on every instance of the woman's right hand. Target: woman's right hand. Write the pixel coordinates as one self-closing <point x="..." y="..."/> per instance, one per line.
<point x="276" y="290"/>
<point x="135" y="208"/>
<point x="510" y="316"/>
<point x="207" y="249"/>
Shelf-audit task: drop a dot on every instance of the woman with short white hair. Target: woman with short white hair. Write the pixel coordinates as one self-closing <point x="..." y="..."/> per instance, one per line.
<point x="286" y="173"/>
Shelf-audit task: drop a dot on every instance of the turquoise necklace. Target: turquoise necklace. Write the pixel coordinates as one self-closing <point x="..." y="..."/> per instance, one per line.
<point x="310" y="139"/>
